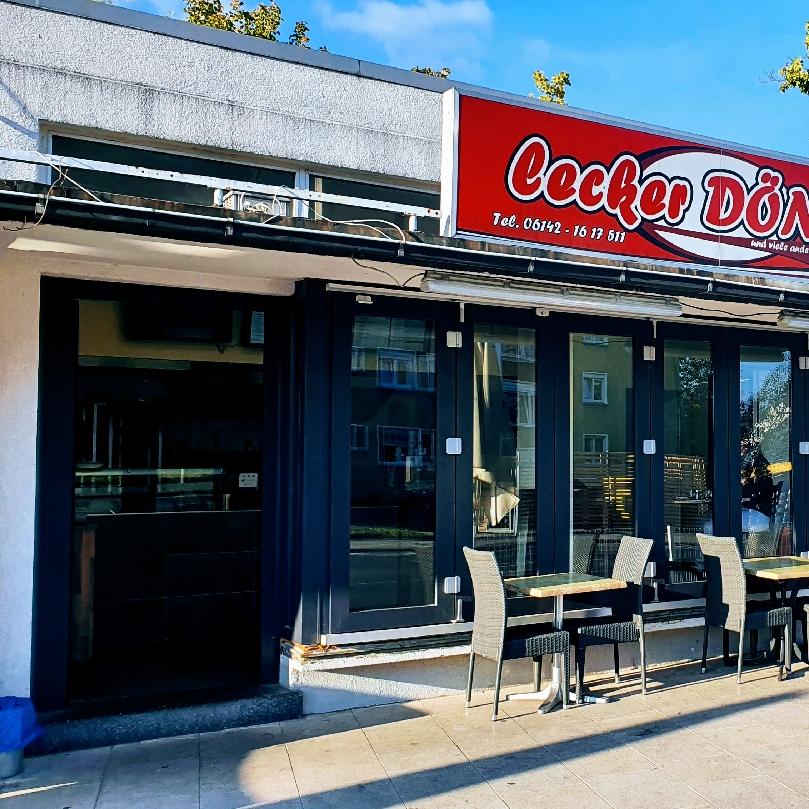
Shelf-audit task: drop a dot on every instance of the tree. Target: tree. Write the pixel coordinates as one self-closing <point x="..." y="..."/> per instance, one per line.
<point x="551" y="89"/>
<point x="795" y="73"/>
<point x="441" y="73"/>
<point x="264" y="21"/>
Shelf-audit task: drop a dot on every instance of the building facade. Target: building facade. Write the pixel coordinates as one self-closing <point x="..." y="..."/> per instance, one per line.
<point x="242" y="443"/>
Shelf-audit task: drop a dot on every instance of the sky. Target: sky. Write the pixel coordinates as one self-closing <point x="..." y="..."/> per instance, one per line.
<point x="693" y="66"/>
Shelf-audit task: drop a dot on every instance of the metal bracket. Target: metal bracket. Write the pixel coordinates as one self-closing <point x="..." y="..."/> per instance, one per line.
<point x="454" y="446"/>
<point x="649" y="353"/>
<point x="454" y="339"/>
<point x="803" y="363"/>
<point x="649" y="446"/>
<point x="803" y="448"/>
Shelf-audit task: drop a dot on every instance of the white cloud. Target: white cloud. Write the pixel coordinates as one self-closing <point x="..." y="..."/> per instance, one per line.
<point x="419" y="32"/>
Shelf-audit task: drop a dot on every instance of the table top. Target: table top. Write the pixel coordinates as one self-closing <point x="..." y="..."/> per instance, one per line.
<point x="562" y="584"/>
<point x="777" y="568"/>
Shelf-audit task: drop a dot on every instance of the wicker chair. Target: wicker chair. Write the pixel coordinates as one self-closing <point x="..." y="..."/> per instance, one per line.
<point x="493" y="639"/>
<point x="726" y="602"/>
<point x="625" y="625"/>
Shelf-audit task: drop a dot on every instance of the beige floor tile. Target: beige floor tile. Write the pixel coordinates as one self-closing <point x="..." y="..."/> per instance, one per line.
<point x="602" y="762"/>
<point x="739" y="740"/>
<point x="574" y="795"/>
<point x="785" y="762"/>
<point x="697" y="770"/>
<point x="447" y="788"/>
<point x="759" y="792"/>
<point x="244" y="767"/>
<point x="640" y="790"/>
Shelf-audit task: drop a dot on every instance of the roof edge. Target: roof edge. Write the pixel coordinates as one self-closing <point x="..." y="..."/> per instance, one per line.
<point x="230" y="40"/>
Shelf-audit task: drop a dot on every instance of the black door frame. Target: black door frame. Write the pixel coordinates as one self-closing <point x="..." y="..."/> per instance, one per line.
<point x="59" y="324"/>
<point x="338" y="615"/>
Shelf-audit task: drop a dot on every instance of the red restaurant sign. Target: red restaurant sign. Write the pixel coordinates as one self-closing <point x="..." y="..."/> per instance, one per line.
<point x="526" y="174"/>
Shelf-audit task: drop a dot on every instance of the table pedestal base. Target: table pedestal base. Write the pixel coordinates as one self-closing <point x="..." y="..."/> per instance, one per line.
<point x="548" y="698"/>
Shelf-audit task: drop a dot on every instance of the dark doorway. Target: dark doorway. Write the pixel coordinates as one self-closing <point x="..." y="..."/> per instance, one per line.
<point x="166" y="540"/>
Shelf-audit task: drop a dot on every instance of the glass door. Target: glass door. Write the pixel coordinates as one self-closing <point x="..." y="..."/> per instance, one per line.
<point x="688" y="459"/>
<point x="765" y="449"/>
<point x="393" y="475"/>
<point x="504" y="405"/>
<point x="602" y="449"/>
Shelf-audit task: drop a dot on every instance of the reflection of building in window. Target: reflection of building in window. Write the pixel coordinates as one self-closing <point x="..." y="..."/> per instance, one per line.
<point x="521" y="402"/>
<point x="405" y="370"/>
<point x="358" y="359"/>
<point x="359" y="437"/>
<point x="426" y="367"/>
<point x="405" y="446"/>
<point x="596" y="442"/>
<point x="594" y="388"/>
<point x="396" y="369"/>
<point x="596" y="340"/>
<point x="519" y="351"/>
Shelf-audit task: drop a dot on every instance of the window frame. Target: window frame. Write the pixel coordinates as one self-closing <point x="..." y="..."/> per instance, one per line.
<point x="595" y="376"/>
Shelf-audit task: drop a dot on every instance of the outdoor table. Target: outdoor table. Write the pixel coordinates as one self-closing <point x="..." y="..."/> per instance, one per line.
<point x="557" y="586"/>
<point x="778" y="572"/>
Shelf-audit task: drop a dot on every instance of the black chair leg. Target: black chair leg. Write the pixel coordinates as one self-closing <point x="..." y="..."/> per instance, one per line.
<point x="804" y="639"/>
<point x="782" y="653"/>
<point x="705" y="646"/>
<point x="726" y="647"/>
<point x="616" y="662"/>
<point x="497" y="688"/>
<point x="469" y="678"/>
<point x="753" y="643"/>
<point x="580" y="653"/>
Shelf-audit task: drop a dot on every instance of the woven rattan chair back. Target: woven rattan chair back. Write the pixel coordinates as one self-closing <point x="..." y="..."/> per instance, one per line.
<point x="631" y="559"/>
<point x="726" y="587"/>
<point x="582" y="550"/>
<point x="489" y="628"/>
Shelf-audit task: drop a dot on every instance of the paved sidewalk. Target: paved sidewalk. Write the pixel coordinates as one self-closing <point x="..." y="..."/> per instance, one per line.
<point x="694" y="741"/>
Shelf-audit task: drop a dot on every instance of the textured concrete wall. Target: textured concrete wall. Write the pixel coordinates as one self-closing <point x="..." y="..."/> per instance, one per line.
<point x="19" y="361"/>
<point x="65" y="70"/>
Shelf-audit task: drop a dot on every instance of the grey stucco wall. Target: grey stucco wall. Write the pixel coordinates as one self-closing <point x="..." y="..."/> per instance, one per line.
<point x="57" y="69"/>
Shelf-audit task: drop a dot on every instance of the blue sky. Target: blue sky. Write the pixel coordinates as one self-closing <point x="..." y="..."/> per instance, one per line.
<point x="695" y="66"/>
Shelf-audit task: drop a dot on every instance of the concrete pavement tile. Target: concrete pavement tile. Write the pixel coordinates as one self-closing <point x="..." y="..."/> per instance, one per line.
<point x="697" y="770"/>
<point x="739" y="741"/>
<point x="602" y="762"/>
<point x="245" y="767"/>
<point x="67" y="779"/>
<point x="573" y="795"/>
<point x="317" y="725"/>
<point x="640" y="790"/>
<point x="447" y="788"/>
<point x="759" y="792"/>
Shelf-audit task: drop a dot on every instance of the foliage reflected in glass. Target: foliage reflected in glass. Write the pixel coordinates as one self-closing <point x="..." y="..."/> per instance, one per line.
<point x="765" y="413"/>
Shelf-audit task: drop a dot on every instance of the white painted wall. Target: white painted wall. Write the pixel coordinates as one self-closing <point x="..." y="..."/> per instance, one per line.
<point x="19" y="361"/>
<point x="57" y="70"/>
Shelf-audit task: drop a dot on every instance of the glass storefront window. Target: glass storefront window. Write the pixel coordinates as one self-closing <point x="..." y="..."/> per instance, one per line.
<point x="503" y="453"/>
<point x="393" y="482"/>
<point x="602" y="457"/>
<point x="765" y="412"/>
<point x="688" y="453"/>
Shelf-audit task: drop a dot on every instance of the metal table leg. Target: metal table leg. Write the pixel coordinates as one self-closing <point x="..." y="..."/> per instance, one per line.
<point x="551" y="696"/>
